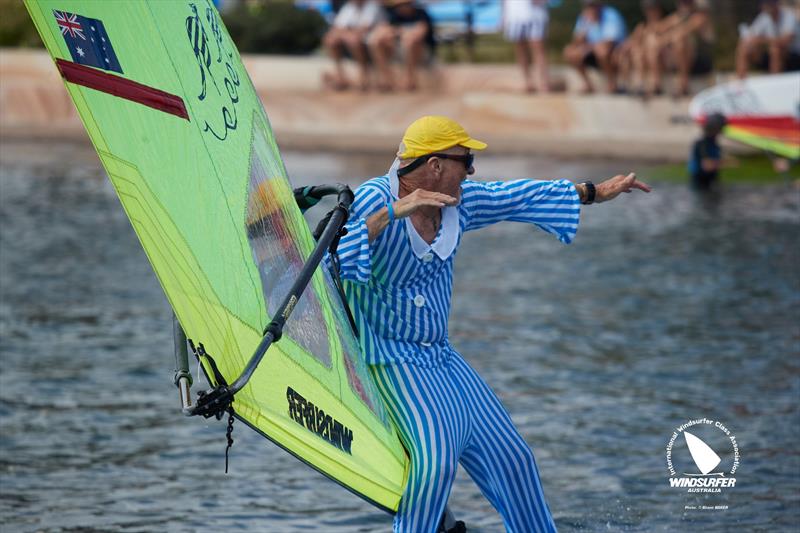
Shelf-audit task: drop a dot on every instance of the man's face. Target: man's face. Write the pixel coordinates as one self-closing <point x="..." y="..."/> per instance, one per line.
<point x="453" y="173"/>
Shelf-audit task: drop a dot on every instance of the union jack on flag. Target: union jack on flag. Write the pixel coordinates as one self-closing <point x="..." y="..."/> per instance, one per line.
<point x="68" y="22"/>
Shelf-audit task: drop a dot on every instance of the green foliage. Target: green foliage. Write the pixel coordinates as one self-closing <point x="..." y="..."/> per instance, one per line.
<point x="16" y="26"/>
<point x="755" y="168"/>
<point x="275" y="27"/>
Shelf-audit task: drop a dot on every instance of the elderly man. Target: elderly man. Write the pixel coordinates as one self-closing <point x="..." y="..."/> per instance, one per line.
<point x="397" y="266"/>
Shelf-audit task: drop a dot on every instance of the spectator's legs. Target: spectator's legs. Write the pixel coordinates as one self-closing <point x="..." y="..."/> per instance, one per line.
<point x="749" y="52"/>
<point x="638" y="66"/>
<point x="539" y="54"/>
<point x="622" y="56"/>
<point x="412" y="40"/>
<point x="654" y="66"/>
<point x="602" y="51"/>
<point x="684" y="57"/>
<point x="523" y="54"/>
<point x="574" y="54"/>
<point x="381" y="44"/>
<point x="354" y="40"/>
<point x="744" y="56"/>
<point x="334" y="42"/>
<point x="777" y="57"/>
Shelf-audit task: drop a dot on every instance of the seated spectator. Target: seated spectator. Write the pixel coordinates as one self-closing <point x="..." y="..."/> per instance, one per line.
<point x="525" y="24"/>
<point x="348" y="34"/>
<point x="598" y="30"/>
<point x="630" y="57"/>
<point x="771" y="42"/>
<point x="411" y="27"/>
<point x="684" y="43"/>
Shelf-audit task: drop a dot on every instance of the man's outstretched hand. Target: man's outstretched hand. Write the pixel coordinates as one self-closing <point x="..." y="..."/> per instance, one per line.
<point x="610" y="189"/>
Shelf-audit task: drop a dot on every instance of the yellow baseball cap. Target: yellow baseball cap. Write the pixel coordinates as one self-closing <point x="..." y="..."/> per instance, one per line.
<point x="434" y="133"/>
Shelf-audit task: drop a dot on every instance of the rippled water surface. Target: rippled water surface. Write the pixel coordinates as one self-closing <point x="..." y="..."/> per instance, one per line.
<point x="665" y="309"/>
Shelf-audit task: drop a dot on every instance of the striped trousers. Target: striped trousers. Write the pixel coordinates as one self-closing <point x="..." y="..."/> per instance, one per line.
<point x="445" y="415"/>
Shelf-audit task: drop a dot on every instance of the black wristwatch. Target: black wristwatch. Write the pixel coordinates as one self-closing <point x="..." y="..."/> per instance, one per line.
<point x="590" y="192"/>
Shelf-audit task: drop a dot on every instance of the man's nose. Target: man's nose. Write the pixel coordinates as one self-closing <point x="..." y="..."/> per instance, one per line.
<point x="471" y="170"/>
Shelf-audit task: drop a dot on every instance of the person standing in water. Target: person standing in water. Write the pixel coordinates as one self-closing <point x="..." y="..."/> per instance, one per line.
<point x="706" y="155"/>
<point x="396" y="262"/>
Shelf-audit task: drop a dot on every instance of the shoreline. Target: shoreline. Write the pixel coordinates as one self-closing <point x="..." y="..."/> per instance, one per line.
<point x="484" y="98"/>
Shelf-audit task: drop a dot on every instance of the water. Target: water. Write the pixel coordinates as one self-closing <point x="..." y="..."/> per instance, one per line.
<point x="665" y="309"/>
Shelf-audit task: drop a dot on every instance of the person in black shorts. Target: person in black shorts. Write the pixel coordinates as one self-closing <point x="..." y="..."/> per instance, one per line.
<point x="410" y="26"/>
<point x="771" y="43"/>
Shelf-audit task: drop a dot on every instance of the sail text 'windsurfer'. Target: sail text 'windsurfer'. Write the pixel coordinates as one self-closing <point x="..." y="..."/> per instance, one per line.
<point x="314" y="419"/>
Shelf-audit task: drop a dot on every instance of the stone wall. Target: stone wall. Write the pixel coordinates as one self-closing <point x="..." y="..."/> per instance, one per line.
<point x="485" y="98"/>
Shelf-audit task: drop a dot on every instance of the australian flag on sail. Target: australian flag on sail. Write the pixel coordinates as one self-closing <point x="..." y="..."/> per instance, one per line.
<point x="87" y="41"/>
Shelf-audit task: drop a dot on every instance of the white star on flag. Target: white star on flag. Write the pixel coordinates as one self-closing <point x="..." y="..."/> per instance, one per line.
<point x="80" y="51"/>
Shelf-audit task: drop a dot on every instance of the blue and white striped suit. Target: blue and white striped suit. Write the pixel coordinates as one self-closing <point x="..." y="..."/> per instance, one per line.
<point x="399" y="289"/>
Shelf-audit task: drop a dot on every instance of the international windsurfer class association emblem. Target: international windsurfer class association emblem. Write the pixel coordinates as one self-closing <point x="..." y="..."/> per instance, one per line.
<point x="705" y="459"/>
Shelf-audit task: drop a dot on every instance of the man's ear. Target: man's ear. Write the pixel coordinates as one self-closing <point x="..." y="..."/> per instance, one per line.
<point x="436" y="165"/>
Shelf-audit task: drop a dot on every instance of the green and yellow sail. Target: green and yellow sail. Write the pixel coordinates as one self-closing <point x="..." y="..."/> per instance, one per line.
<point x="182" y="134"/>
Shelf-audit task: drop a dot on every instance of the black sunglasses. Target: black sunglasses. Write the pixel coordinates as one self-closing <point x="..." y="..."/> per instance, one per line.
<point x="466" y="159"/>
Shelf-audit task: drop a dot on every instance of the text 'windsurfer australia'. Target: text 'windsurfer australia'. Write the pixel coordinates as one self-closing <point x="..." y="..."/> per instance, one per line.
<point x="314" y="419"/>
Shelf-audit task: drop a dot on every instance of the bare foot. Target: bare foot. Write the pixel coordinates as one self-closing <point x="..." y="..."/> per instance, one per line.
<point x="385" y="87"/>
<point x="333" y="82"/>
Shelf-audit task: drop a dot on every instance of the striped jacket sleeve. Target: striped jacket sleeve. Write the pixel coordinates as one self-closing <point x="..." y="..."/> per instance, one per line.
<point x="355" y="256"/>
<point x="554" y="206"/>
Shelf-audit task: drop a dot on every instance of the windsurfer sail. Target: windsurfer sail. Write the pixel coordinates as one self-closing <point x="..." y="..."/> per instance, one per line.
<point x="763" y="111"/>
<point x="182" y="134"/>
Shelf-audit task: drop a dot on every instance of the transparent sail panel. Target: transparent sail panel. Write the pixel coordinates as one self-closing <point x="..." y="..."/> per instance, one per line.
<point x="279" y="260"/>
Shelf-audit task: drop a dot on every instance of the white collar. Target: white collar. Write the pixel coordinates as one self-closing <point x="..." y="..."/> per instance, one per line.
<point x="447" y="239"/>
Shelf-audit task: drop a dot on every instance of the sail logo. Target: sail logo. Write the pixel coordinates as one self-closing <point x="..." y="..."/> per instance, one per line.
<point x="315" y="420"/>
<point x="694" y="462"/>
<point x="219" y="81"/>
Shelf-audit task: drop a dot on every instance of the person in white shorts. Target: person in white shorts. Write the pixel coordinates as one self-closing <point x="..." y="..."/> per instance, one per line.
<point x="771" y="42"/>
<point x="525" y="24"/>
<point x="349" y="31"/>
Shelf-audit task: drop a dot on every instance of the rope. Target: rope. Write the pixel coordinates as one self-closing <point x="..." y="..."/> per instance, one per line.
<point x="229" y="436"/>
